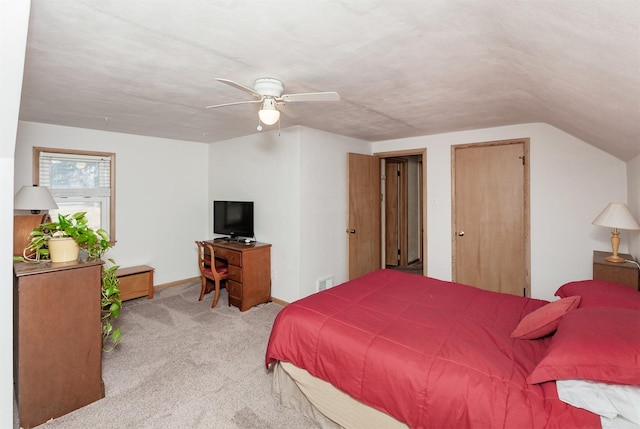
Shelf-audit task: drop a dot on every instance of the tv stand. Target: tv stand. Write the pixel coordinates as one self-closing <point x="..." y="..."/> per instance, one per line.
<point x="249" y="266"/>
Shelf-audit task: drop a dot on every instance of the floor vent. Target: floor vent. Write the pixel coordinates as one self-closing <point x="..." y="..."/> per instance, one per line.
<point x="325" y="283"/>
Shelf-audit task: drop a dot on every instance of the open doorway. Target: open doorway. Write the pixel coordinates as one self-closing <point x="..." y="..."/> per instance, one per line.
<point x="404" y="211"/>
<point x="366" y="224"/>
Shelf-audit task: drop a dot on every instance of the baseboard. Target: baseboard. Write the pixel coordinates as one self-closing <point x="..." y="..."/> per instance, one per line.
<point x="176" y="283"/>
<point x="279" y="302"/>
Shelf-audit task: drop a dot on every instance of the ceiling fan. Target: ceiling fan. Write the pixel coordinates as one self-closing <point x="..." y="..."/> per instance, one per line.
<point x="268" y="92"/>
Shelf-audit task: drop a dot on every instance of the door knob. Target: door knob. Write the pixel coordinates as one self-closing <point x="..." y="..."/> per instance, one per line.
<point x="461" y="233"/>
<point x="351" y="231"/>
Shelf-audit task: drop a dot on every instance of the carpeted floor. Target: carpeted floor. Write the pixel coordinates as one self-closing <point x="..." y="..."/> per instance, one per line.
<point x="182" y="364"/>
<point x="414" y="268"/>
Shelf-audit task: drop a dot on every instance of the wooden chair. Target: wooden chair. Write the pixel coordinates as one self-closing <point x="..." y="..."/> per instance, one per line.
<point x="217" y="274"/>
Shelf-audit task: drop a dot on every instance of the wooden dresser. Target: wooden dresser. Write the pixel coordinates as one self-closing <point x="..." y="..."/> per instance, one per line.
<point x="249" y="265"/>
<point x="57" y="338"/>
<point x="626" y="273"/>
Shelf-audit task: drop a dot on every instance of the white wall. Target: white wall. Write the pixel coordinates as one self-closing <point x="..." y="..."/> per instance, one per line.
<point x="14" y="18"/>
<point x="161" y="193"/>
<point x="571" y="182"/>
<point x="297" y="180"/>
<point x="633" y="201"/>
<point x="323" y="206"/>
<point x="263" y="168"/>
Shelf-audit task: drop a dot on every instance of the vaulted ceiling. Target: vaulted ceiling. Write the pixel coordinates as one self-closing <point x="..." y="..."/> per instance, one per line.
<point x="402" y="68"/>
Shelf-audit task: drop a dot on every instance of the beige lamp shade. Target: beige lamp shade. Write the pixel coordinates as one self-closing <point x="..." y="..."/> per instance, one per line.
<point x="34" y="198"/>
<point x="616" y="216"/>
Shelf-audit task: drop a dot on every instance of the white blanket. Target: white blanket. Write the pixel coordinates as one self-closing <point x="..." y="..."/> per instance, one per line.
<point x="617" y="405"/>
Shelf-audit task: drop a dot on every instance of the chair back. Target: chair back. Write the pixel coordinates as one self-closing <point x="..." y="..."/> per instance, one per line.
<point x="201" y="257"/>
<point x="208" y="269"/>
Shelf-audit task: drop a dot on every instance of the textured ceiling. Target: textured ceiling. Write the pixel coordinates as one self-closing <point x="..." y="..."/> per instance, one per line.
<point x="402" y="68"/>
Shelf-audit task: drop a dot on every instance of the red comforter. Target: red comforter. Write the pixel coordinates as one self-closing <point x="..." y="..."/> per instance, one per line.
<point x="430" y="353"/>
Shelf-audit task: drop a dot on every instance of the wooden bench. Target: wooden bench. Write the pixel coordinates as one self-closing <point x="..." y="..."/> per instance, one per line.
<point x="135" y="282"/>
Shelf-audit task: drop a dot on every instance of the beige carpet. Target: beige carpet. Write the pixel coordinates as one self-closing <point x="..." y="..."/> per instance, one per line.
<point x="183" y="364"/>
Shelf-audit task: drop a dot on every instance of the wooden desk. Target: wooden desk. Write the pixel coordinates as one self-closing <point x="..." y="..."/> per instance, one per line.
<point x="57" y="337"/>
<point x="249" y="265"/>
<point x="624" y="273"/>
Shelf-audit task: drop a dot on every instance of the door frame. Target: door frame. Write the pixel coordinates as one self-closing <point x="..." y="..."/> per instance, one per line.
<point x="422" y="153"/>
<point x="527" y="206"/>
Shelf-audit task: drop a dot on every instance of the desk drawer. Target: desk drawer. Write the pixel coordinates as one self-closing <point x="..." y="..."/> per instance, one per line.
<point x="234" y="258"/>
<point x="234" y="289"/>
<point x="220" y="252"/>
<point x="235" y="273"/>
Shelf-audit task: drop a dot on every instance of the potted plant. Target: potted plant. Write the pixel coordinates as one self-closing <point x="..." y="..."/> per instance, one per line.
<point x="73" y="232"/>
<point x="74" y="228"/>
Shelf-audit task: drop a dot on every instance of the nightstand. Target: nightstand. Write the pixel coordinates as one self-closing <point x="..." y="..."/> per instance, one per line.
<point x="624" y="273"/>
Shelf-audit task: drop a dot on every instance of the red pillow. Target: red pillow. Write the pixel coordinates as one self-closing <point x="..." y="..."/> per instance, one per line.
<point x="597" y="293"/>
<point x="544" y="320"/>
<point x="596" y="343"/>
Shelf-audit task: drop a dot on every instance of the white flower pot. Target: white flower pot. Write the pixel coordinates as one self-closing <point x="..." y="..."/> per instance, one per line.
<point x="63" y="249"/>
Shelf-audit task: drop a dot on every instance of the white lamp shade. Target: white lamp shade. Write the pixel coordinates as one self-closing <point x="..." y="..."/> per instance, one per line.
<point x="268" y="114"/>
<point x="34" y="198"/>
<point x="616" y="215"/>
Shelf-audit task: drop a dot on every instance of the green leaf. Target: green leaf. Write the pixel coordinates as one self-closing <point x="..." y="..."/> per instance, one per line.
<point x="79" y="215"/>
<point x="117" y="334"/>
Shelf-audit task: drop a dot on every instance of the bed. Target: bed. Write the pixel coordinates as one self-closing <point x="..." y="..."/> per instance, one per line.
<point x="392" y="349"/>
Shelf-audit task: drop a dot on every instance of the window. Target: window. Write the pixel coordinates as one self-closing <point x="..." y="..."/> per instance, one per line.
<point x="79" y="181"/>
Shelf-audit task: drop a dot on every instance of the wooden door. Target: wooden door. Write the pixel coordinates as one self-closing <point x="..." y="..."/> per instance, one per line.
<point x="363" y="207"/>
<point x="491" y="216"/>
<point x="391" y="214"/>
<point x="396" y="213"/>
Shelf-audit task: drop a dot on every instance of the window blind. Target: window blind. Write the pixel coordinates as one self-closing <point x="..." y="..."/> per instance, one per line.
<point x="70" y="175"/>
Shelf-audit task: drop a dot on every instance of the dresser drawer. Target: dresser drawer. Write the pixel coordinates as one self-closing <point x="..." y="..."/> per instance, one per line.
<point x="234" y="258"/>
<point x="234" y="289"/>
<point x="235" y="274"/>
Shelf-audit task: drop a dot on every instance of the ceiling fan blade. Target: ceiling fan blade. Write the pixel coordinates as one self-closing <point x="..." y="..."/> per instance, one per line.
<point x="286" y="110"/>
<point x="233" y="104"/>
<point x="310" y="96"/>
<point x="240" y="87"/>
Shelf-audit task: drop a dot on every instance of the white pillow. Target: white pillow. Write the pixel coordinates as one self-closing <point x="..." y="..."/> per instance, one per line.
<point x="616" y="404"/>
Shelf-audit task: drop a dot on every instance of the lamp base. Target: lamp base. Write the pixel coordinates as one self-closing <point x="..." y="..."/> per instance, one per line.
<point x="615" y="258"/>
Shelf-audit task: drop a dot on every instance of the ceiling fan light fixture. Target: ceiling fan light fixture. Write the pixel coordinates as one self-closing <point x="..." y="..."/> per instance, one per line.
<point x="268" y="114"/>
<point x="267" y="92"/>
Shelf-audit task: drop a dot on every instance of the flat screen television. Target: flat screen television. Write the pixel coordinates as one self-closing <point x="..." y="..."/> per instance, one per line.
<point x="233" y="218"/>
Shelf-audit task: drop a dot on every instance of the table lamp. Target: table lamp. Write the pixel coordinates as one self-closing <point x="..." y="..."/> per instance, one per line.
<point x="34" y="198"/>
<point x="616" y="216"/>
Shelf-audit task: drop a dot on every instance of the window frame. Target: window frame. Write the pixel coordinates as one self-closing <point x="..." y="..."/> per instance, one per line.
<point x="112" y="177"/>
